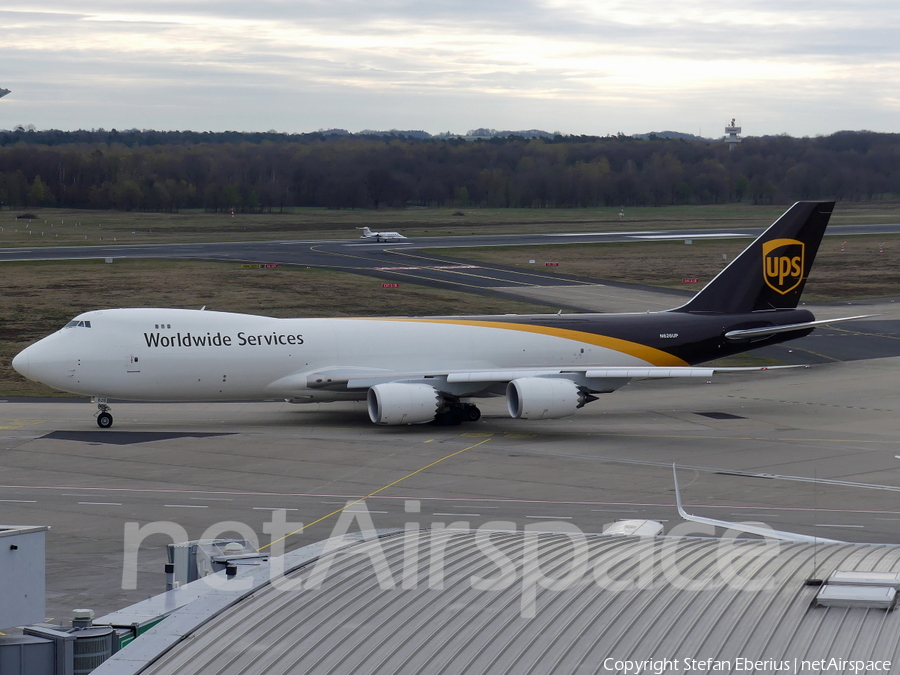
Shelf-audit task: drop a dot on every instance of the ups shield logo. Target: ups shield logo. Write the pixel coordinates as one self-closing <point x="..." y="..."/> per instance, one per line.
<point x="783" y="264"/>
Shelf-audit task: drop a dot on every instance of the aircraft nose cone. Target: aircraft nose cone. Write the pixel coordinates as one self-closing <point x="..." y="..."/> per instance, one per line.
<point x="22" y="363"/>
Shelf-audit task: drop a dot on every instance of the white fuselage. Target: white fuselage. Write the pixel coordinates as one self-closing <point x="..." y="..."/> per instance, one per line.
<point x="183" y="355"/>
<point x="380" y="236"/>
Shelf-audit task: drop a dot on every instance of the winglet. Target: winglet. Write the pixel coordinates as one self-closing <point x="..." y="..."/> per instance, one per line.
<point x="678" y="495"/>
<point x="749" y="528"/>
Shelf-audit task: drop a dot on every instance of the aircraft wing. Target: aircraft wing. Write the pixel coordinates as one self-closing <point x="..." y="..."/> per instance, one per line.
<point x="349" y="378"/>
<point x="625" y="372"/>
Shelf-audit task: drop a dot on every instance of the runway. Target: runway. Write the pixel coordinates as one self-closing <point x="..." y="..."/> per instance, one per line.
<point x="403" y="261"/>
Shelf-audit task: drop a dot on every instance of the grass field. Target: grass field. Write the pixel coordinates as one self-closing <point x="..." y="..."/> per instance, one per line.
<point x="61" y="227"/>
<point x="867" y="266"/>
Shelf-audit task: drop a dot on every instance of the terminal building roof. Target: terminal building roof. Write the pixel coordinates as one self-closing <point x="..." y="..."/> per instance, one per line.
<point x="445" y="601"/>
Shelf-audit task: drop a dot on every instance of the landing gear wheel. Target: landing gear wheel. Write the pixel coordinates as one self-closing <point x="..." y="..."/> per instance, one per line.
<point x="104" y="417"/>
<point x="457" y="415"/>
<point x="448" y="418"/>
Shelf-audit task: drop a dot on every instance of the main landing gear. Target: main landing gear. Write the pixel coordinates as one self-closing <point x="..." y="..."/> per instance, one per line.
<point x="104" y="417"/>
<point x="465" y="412"/>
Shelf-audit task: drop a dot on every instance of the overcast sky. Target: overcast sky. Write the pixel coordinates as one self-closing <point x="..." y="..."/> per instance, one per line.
<point x="575" y="66"/>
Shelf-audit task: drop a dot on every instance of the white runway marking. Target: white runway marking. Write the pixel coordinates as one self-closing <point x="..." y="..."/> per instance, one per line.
<point x="688" y="235"/>
<point x="551" y="517"/>
<point x="591" y="234"/>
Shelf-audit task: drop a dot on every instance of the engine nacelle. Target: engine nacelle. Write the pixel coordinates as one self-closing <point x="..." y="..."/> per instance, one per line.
<point x="541" y="398"/>
<point x="402" y="403"/>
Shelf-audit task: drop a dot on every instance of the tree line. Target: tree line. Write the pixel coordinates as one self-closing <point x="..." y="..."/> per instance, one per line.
<point x="168" y="171"/>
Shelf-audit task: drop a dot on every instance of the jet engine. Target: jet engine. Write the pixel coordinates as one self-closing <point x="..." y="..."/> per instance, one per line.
<point x="402" y="403"/>
<point x="541" y="398"/>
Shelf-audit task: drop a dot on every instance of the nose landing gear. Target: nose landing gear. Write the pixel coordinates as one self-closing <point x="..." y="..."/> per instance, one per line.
<point x="104" y="417"/>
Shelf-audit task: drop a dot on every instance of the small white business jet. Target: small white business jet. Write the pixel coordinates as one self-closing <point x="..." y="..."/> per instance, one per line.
<point x="413" y="370"/>
<point x="379" y="236"/>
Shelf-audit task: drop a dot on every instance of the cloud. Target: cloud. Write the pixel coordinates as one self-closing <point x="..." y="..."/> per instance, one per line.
<point x="608" y="56"/>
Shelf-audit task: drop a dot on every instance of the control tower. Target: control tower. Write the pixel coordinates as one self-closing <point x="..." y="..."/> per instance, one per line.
<point x="733" y="137"/>
<point x="3" y="92"/>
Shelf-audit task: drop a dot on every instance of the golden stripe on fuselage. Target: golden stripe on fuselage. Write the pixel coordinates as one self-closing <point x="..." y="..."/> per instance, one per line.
<point x="656" y="357"/>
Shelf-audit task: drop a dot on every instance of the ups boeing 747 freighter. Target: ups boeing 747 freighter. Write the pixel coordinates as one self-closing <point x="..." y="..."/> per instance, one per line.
<point x="413" y="370"/>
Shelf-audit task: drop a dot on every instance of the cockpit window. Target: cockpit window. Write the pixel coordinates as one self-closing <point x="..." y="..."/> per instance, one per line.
<point x="78" y="324"/>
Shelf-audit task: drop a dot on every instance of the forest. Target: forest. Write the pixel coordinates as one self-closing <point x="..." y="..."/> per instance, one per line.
<point x="250" y="172"/>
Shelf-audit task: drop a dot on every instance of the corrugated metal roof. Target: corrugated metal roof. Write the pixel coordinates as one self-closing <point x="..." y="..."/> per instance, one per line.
<point x="638" y="599"/>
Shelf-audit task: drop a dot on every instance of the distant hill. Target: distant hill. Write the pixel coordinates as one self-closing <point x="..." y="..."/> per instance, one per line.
<point x="395" y="132"/>
<point x="417" y="133"/>
<point x="670" y="135"/>
<point x="485" y="133"/>
<point x="494" y="133"/>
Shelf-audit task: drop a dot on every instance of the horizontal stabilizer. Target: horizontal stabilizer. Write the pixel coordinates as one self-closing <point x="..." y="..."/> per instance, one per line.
<point x="749" y="528"/>
<point x="773" y="330"/>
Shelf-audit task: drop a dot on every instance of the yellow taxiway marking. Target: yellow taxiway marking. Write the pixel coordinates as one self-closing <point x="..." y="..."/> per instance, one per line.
<point x="859" y="332"/>
<point x="375" y="492"/>
<point x="479" y="434"/>
<point x="814" y="353"/>
<point x="750" y="438"/>
<point x="17" y="424"/>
